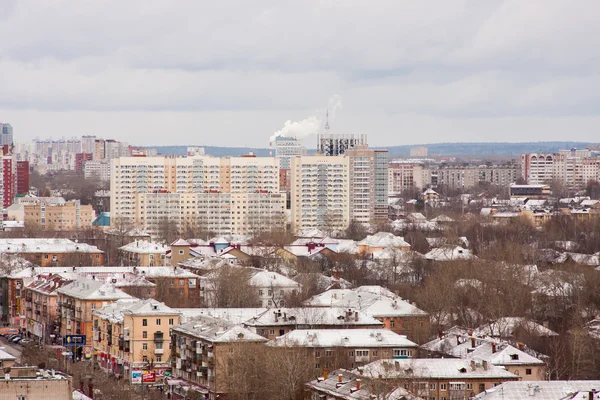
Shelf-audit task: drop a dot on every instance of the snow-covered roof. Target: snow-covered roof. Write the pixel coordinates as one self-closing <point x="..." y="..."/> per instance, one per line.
<point x="347" y="246"/>
<point x="31" y="245"/>
<point x="384" y="239"/>
<point x="343" y="338"/>
<point x="540" y="390"/>
<point x="313" y="316"/>
<point x="264" y="278"/>
<point x="589" y="203"/>
<point x="449" y="253"/>
<point x="397" y="255"/>
<point x="144" y="247"/>
<point x="311" y="233"/>
<point x="230" y="239"/>
<point x="180" y="242"/>
<point x="88" y="289"/>
<point x="416" y="217"/>
<point x="304" y="251"/>
<point x="217" y="331"/>
<point x="5" y="356"/>
<point x="507" y="327"/>
<point x="442" y="218"/>
<point x="373" y="300"/>
<point x="585" y="259"/>
<point x="232" y="315"/>
<point x="323" y="282"/>
<point x="434" y="368"/>
<point x="104" y="272"/>
<point x="323" y="241"/>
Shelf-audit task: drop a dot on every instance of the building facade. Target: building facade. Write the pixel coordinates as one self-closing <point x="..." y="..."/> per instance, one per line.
<point x="333" y="144"/>
<point x="59" y="215"/>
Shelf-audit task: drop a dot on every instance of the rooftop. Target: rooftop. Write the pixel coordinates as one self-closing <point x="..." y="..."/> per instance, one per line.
<point x="540" y="390"/>
<point x="115" y="311"/>
<point x="435" y="368"/>
<point x="88" y="289"/>
<point x="311" y="316"/>
<point x="218" y="331"/>
<point x="343" y="338"/>
<point x="144" y="247"/>
<point x="30" y="245"/>
<point x="384" y="239"/>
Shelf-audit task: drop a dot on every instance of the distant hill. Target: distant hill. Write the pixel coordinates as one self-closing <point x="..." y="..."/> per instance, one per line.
<point x="442" y="149"/>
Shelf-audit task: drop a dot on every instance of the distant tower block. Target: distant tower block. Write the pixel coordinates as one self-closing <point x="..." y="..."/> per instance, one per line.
<point x="419" y="151"/>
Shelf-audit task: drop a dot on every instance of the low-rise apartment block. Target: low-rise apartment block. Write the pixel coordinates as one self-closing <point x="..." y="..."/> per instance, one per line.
<point x="77" y="301"/>
<point x="348" y="348"/>
<point x="29" y="383"/>
<point x="56" y="214"/>
<point x="438" y="378"/>
<point x="52" y="252"/>
<point x="131" y="334"/>
<point x="201" y="350"/>
<point x="144" y="254"/>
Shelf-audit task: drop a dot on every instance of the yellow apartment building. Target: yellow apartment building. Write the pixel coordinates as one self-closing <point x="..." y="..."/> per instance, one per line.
<point x="134" y="334"/>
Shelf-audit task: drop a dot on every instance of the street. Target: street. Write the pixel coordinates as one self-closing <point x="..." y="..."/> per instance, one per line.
<point x="13" y="349"/>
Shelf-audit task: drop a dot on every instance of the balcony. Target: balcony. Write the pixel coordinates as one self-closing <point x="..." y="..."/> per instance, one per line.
<point x="159" y="351"/>
<point x="159" y="337"/>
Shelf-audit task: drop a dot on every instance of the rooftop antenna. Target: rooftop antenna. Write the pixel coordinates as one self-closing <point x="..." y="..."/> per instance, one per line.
<point x="327" y="121"/>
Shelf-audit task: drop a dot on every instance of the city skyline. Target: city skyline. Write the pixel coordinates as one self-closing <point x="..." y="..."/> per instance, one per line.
<point x="214" y="74"/>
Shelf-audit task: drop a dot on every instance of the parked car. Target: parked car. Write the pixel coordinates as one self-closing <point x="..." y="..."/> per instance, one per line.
<point x="18" y="340"/>
<point x="26" y="341"/>
<point x="15" y="339"/>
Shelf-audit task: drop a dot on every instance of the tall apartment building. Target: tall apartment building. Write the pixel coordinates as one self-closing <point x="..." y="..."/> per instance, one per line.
<point x="575" y="168"/>
<point x="320" y="193"/>
<point x="81" y="159"/>
<point x="224" y="195"/>
<point x="286" y="148"/>
<point x="6" y="134"/>
<point x="57" y="214"/>
<point x="333" y="144"/>
<point x="97" y="169"/>
<point x="368" y="184"/>
<point x="22" y="178"/>
<point x="405" y="176"/>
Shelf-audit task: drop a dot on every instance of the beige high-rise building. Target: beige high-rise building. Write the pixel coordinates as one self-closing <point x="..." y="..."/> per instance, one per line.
<point x="222" y="195"/>
<point x="320" y="192"/>
<point x="368" y="186"/>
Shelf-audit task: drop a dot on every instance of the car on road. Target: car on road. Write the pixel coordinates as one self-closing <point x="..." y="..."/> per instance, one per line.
<point x="16" y="339"/>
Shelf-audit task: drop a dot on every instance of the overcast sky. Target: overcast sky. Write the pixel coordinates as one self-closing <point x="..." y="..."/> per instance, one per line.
<point x="232" y="73"/>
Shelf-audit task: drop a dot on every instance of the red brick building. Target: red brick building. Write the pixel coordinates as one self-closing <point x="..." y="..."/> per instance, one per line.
<point x="22" y="177"/>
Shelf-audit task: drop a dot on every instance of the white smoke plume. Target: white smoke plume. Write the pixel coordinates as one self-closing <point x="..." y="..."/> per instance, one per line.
<point x="298" y="129"/>
<point x="309" y="126"/>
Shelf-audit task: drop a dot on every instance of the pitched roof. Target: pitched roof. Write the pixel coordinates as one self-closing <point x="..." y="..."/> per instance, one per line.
<point x="538" y="390"/>
<point x="180" y="242"/>
<point x="312" y="316"/>
<point x="435" y="368"/>
<point x="449" y="253"/>
<point x="144" y="247"/>
<point x="31" y="245"/>
<point x="343" y="338"/>
<point x="218" y="331"/>
<point x="384" y="239"/>
<point x="88" y="289"/>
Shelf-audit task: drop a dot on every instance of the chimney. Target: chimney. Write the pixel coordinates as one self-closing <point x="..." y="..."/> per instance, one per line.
<point x="493" y="347"/>
<point x="356" y="316"/>
<point x="473" y="365"/>
<point x="520" y="345"/>
<point x="531" y="390"/>
<point x="325" y="373"/>
<point x="591" y="394"/>
<point x="360" y="370"/>
<point x="285" y="316"/>
<point x="473" y="342"/>
<point x="485" y="365"/>
<point x="276" y="319"/>
<point x="440" y="335"/>
<point x="340" y="378"/>
<point x="358" y="384"/>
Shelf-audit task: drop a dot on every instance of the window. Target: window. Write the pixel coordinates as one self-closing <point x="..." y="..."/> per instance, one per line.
<point x="481" y="387"/>
<point x="93" y="306"/>
<point x="328" y="353"/>
<point x="158" y="359"/>
<point x="443" y="386"/>
<point x="181" y="282"/>
<point x="144" y="334"/>
<point x="362" y="353"/>
<point x="317" y="354"/>
<point x="260" y="292"/>
<point x="317" y="365"/>
<point x="171" y="321"/>
<point x="432" y="386"/>
<point x="145" y="359"/>
<point x="144" y="322"/>
<point x="469" y="386"/>
<point x="180" y="252"/>
<point x="272" y="332"/>
<point x="527" y="371"/>
<point x="351" y="353"/>
<point x="402" y="353"/>
<point x="144" y="346"/>
<point x="158" y="321"/>
<point x="392" y="323"/>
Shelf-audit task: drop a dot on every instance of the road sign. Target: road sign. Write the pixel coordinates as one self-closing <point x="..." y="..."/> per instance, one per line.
<point x="74" y="340"/>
